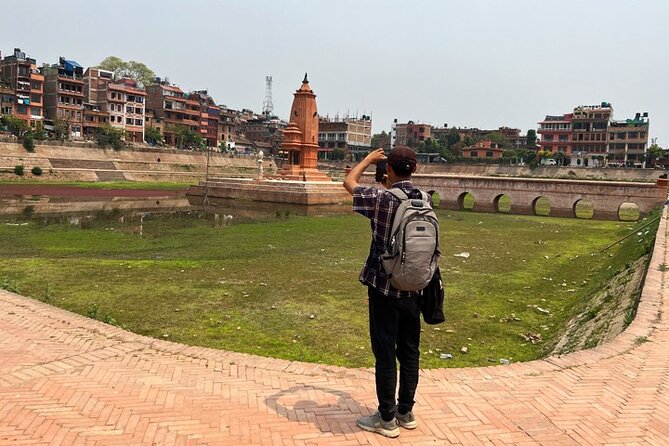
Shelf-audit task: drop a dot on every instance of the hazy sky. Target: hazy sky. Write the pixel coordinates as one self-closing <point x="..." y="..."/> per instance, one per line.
<point x="468" y="63"/>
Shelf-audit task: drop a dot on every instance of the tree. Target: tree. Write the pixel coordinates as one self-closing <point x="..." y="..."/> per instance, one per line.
<point x="109" y="136"/>
<point x="152" y="136"/>
<point x="531" y="138"/>
<point x="137" y="71"/>
<point x="379" y="139"/>
<point x="453" y="137"/>
<point x="429" y="146"/>
<point x="500" y="139"/>
<point x="338" y="154"/>
<point x="185" y="138"/>
<point x="15" y="126"/>
<point x="654" y="152"/>
<point x="61" y="130"/>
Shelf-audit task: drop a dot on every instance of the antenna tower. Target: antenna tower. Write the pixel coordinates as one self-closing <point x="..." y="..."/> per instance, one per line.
<point x="267" y="106"/>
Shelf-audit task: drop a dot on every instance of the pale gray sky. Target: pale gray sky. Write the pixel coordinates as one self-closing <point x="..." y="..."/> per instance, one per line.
<point x="482" y="63"/>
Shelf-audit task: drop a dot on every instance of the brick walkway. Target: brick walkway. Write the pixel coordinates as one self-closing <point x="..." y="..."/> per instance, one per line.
<point x="66" y="380"/>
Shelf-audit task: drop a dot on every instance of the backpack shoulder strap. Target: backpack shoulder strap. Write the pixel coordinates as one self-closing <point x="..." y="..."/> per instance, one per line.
<point x="398" y="193"/>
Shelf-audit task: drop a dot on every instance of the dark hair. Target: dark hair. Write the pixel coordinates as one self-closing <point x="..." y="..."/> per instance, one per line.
<point x="403" y="161"/>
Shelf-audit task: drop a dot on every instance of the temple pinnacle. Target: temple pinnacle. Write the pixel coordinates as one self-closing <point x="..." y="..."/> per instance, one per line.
<point x="305" y="79"/>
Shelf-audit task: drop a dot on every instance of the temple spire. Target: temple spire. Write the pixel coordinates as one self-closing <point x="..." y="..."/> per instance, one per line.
<point x="305" y="79"/>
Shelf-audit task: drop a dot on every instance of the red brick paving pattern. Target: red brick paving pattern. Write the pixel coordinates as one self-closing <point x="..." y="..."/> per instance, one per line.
<point x="69" y="380"/>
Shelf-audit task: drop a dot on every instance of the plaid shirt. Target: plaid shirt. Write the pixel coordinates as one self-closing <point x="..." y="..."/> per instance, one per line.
<point x="379" y="206"/>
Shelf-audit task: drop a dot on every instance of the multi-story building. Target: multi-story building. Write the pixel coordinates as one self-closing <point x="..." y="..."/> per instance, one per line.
<point x="555" y="133"/>
<point x="353" y="135"/>
<point x="590" y="136"/>
<point x="210" y="114"/>
<point x="94" y="119"/>
<point x="628" y="140"/>
<point x="7" y="98"/>
<point x="265" y="132"/>
<point x="228" y="126"/>
<point x="121" y="99"/>
<point x="174" y="107"/>
<point x="28" y="84"/>
<point x="589" y="133"/>
<point x="409" y="134"/>
<point x="64" y="95"/>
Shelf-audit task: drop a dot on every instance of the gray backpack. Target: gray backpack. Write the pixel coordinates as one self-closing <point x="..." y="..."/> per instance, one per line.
<point x="412" y="254"/>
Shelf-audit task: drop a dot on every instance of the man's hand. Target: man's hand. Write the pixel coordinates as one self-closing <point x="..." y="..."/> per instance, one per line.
<point x="375" y="156"/>
<point x="351" y="181"/>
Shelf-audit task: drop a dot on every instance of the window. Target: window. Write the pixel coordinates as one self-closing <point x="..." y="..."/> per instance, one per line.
<point x="474" y="154"/>
<point x="548" y="138"/>
<point x="113" y="95"/>
<point x="128" y="121"/>
<point x="35" y="111"/>
<point x="489" y="154"/>
<point x="612" y="136"/>
<point x="129" y="110"/>
<point x="138" y="122"/>
<point x="36" y="98"/>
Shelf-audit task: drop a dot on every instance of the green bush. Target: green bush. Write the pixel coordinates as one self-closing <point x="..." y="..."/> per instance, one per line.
<point x="18" y="170"/>
<point x="29" y="143"/>
<point x="37" y="171"/>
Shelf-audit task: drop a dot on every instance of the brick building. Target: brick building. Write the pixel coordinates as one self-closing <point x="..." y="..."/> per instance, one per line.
<point x="265" y="132"/>
<point x="409" y="134"/>
<point x="173" y="107"/>
<point x="210" y="115"/>
<point x="483" y="149"/>
<point x="7" y="98"/>
<point x="555" y="133"/>
<point x="628" y="140"/>
<point x="27" y="83"/>
<point x="589" y="133"/>
<point x="353" y="135"/>
<point x="64" y="95"/>
<point x="591" y="137"/>
<point x="122" y="100"/>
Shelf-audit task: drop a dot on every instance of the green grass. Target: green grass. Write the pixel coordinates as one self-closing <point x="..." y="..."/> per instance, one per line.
<point x="253" y="287"/>
<point x="154" y="185"/>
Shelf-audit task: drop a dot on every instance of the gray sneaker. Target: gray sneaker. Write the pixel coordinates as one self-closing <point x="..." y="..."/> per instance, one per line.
<point x="374" y="423"/>
<point x="407" y="421"/>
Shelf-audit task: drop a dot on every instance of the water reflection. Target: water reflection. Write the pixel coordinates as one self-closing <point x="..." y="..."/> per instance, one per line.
<point x="129" y="214"/>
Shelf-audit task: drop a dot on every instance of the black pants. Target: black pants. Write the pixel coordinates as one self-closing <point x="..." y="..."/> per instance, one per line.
<point x="394" y="328"/>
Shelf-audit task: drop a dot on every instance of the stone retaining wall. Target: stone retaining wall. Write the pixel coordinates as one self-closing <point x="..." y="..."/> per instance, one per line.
<point x="67" y="163"/>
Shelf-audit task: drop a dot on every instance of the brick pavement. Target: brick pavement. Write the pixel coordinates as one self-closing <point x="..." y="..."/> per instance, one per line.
<point x="69" y="380"/>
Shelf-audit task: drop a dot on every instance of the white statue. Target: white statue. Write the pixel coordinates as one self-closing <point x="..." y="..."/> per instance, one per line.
<point x="260" y="161"/>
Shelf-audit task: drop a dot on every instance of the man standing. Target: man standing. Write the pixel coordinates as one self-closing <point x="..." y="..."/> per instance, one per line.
<point x="394" y="315"/>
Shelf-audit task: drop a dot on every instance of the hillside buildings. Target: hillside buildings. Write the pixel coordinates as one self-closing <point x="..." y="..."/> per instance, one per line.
<point x="590" y="136"/>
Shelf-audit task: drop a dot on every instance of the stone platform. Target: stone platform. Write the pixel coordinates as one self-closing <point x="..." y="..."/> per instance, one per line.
<point x="275" y="191"/>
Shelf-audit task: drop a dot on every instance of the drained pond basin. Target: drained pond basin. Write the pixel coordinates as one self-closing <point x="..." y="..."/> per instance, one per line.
<point x="267" y="279"/>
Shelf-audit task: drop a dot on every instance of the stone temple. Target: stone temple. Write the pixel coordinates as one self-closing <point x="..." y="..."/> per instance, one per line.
<point x="298" y="181"/>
